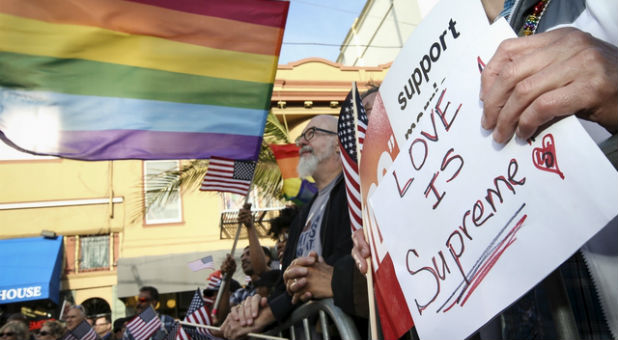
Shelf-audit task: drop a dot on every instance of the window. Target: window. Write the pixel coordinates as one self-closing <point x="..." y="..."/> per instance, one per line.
<point x="161" y="211"/>
<point x="94" y="252"/>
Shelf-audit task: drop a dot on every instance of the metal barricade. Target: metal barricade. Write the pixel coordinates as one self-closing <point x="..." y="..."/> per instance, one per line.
<point x="324" y="311"/>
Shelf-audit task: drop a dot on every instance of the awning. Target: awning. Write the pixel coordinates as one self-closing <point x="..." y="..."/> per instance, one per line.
<point x="168" y="273"/>
<point x="30" y="269"/>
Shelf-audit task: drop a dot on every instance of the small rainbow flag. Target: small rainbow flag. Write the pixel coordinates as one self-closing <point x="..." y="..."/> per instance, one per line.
<point x="142" y="79"/>
<point x="295" y="189"/>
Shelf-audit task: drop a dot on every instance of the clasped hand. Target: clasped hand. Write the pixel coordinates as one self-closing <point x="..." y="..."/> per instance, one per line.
<point x="308" y="277"/>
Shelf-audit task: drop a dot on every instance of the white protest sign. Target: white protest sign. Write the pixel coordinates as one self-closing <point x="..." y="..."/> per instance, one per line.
<point x="471" y="225"/>
<point x="423" y="61"/>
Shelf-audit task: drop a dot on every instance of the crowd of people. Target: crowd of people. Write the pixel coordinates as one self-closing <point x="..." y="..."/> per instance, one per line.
<point x="530" y="82"/>
<point x="17" y="327"/>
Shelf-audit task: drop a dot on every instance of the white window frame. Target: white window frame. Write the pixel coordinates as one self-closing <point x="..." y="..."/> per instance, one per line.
<point x="174" y="203"/>
<point x="88" y="253"/>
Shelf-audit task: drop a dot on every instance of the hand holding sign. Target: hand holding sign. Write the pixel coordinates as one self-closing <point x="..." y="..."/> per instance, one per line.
<point x="534" y="80"/>
<point x="467" y="222"/>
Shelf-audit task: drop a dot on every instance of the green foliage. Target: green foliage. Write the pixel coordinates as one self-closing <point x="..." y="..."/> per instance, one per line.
<point x="267" y="175"/>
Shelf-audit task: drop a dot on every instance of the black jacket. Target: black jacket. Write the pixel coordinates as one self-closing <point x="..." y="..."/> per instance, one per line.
<point x="335" y="236"/>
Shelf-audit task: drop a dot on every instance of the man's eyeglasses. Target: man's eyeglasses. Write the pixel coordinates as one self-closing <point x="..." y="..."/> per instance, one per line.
<point x="308" y="135"/>
<point x="44" y="333"/>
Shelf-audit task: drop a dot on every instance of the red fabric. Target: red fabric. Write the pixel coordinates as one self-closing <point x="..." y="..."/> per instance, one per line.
<point x="394" y="315"/>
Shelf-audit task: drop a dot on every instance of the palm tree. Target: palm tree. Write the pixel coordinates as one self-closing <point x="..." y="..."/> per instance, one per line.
<point x="267" y="175"/>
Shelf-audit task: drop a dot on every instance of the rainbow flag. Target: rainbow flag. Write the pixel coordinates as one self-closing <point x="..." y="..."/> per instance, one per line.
<point x="295" y="189"/>
<point x="143" y="79"/>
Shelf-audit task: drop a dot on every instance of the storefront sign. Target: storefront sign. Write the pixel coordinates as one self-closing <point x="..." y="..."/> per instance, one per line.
<point x="20" y="293"/>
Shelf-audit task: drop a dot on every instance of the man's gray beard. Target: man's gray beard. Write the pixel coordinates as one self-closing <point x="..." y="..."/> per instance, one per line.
<point x="308" y="164"/>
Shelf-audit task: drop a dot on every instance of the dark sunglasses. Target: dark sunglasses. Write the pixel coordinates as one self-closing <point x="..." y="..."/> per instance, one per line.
<point x="7" y="334"/>
<point x="44" y="333"/>
<point x="308" y="135"/>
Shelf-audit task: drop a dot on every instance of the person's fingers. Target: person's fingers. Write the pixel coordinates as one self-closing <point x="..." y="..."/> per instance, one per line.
<point x="313" y="254"/>
<point x="510" y="78"/>
<point x="554" y="104"/>
<point x="245" y="310"/>
<point x="361" y="263"/>
<point x="295" y="299"/>
<point x="510" y="69"/>
<point x="294" y="272"/>
<point x="306" y="297"/>
<point x="359" y="241"/>
<point x="234" y="314"/>
<point x="306" y="260"/>
<point x="511" y="49"/>
<point x="296" y="285"/>
<point x="529" y="90"/>
<point x="249" y="309"/>
<point x="301" y="297"/>
<point x="226" y="328"/>
<point x="582" y="81"/>
<point x="256" y="303"/>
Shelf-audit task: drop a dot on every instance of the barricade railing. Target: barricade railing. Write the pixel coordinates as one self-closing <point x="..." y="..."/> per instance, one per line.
<point x="323" y="311"/>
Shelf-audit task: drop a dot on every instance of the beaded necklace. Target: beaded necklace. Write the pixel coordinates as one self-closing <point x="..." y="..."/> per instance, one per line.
<point x="532" y="20"/>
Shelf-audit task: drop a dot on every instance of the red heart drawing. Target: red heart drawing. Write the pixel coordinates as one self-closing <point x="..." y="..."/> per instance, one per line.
<point x="544" y="158"/>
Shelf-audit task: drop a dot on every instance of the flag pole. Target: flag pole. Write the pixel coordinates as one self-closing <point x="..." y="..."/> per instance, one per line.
<point x="251" y="335"/>
<point x="228" y="276"/>
<point x="372" y="307"/>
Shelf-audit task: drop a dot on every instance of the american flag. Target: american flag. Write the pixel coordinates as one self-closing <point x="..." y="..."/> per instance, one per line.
<point x="145" y="324"/>
<point x="83" y="331"/>
<point x="203" y="263"/>
<point x="214" y="282"/>
<point x="198" y="314"/>
<point x="173" y="334"/>
<point x="177" y="333"/>
<point x="352" y="126"/>
<point x="228" y="176"/>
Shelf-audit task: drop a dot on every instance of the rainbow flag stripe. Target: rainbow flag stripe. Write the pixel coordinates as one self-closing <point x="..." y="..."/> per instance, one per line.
<point x="143" y="79"/>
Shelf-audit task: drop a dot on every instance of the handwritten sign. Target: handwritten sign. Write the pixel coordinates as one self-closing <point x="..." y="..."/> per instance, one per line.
<point x="471" y="225"/>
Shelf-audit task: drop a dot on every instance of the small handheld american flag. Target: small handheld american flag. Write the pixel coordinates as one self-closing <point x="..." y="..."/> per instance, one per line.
<point x="226" y="175"/>
<point x="197" y="313"/>
<point x="83" y="331"/>
<point x="145" y="324"/>
<point x="351" y="130"/>
<point x="203" y="263"/>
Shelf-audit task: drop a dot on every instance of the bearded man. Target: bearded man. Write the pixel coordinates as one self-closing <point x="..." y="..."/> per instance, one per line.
<point x="322" y="226"/>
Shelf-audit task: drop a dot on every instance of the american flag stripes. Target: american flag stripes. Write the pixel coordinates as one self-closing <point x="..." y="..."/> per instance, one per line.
<point x="145" y="324"/>
<point x="197" y="314"/>
<point x="227" y="175"/>
<point x="177" y="332"/>
<point x="214" y="283"/>
<point x="83" y="331"/>
<point x="352" y="126"/>
<point x="203" y="263"/>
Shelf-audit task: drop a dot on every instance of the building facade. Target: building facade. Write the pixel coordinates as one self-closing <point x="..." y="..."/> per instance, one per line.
<point x="381" y="30"/>
<point x="108" y="246"/>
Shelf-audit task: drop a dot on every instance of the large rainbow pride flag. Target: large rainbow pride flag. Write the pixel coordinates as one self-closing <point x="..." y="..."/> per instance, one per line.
<point x="142" y="79"/>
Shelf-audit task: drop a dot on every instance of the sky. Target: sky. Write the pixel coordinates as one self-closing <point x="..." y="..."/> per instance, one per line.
<point x="316" y="28"/>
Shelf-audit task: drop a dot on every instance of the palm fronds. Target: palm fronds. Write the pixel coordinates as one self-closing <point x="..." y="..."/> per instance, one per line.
<point x="267" y="177"/>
